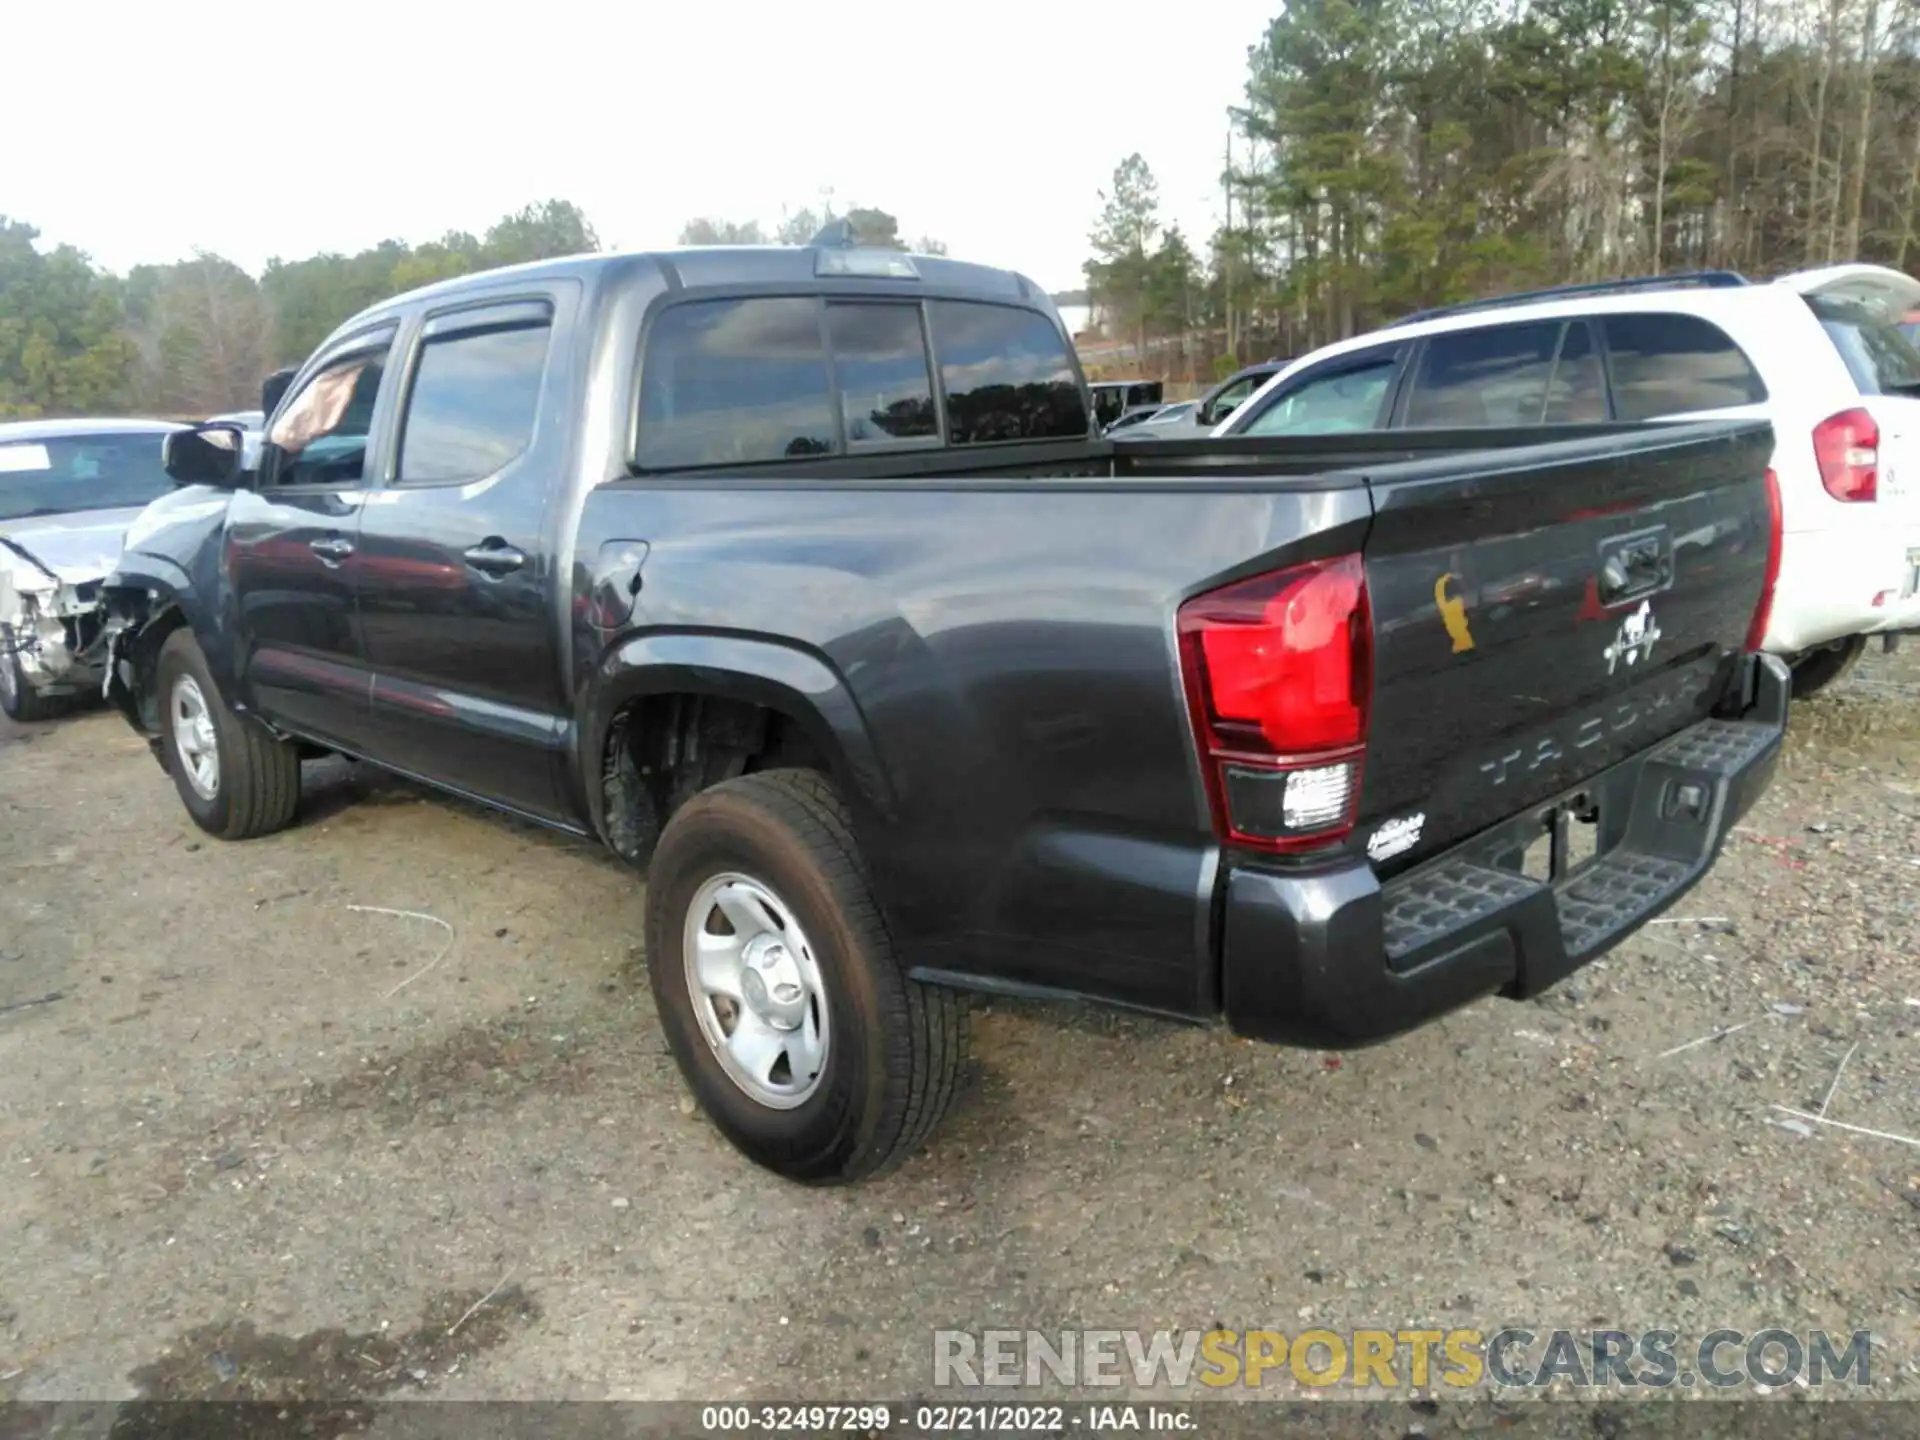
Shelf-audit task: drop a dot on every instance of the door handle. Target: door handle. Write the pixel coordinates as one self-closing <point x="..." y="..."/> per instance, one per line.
<point x="332" y="549"/>
<point x="495" y="557"/>
<point x="1640" y="565"/>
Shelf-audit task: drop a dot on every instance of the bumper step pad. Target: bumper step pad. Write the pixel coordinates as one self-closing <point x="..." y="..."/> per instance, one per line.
<point x="1444" y="903"/>
<point x="1446" y="899"/>
<point x="1612" y="893"/>
<point x="1718" y="746"/>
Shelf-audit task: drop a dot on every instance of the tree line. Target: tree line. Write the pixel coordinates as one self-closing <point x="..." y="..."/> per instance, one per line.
<point x="197" y="337"/>
<point x="1390" y="155"/>
<point x="870" y="225"/>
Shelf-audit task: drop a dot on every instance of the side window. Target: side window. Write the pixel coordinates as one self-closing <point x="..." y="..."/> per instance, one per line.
<point x="1231" y="399"/>
<point x="726" y="382"/>
<point x="1675" y="364"/>
<point x="1006" y="374"/>
<point x="1336" y="402"/>
<point x="320" y="435"/>
<point x="880" y="360"/>
<point x="1577" y="393"/>
<point x="1492" y="376"/>
<point x="472" y="405"/>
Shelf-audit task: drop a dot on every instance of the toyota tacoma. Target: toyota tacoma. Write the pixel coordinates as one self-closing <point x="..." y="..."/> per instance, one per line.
<point x="799" y="577"/>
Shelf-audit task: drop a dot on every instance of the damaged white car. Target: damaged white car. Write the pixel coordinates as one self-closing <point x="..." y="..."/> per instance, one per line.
<point x="68" y="491"/>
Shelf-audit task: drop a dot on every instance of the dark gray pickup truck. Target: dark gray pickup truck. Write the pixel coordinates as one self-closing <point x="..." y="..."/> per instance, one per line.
<point x="797" y="577"/>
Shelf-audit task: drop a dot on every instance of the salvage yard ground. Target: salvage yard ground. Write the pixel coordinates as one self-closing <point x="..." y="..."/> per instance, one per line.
<point x="261" y="1131"/>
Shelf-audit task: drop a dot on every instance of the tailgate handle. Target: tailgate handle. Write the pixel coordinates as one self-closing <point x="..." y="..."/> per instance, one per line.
<point x="1636" y="565"/>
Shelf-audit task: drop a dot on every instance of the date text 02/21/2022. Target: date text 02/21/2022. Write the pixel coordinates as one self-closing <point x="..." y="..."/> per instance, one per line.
<point x="961" y="1419"/>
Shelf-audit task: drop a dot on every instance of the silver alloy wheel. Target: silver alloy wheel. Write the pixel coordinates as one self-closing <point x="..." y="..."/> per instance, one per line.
<point x="194" y="738"/>
<point x="756" y="990"/>
<point x="9" y="666"/>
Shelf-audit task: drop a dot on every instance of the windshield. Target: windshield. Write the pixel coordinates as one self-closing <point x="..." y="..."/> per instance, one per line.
<point x="1878" y="351"/>
<point x="67" y="473"/>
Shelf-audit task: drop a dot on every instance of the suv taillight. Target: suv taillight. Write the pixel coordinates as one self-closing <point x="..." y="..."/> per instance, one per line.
<point x="1763" y="612"/>
<point x="1279" y="672"/>
<point x="1847" y="449"/>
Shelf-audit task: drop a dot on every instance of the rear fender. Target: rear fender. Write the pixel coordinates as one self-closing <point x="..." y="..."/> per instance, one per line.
<point x="795" y="682"/>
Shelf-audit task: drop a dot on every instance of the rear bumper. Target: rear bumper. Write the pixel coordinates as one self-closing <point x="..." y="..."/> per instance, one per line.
<point x="1830" y="580"/>
<point x="1335" y="959"/>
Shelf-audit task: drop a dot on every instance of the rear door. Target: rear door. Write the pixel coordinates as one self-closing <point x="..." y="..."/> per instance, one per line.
<point x="1506" y="376"/>
<point x="1540" y="613"/>
<point x="455" y="574"/>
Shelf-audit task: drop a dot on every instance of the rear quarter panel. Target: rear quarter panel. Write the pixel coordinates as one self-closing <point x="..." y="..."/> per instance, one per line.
<point x="1007" y="649"/>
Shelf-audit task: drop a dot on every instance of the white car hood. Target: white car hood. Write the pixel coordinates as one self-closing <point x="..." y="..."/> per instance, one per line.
<point x="76" y="549"/>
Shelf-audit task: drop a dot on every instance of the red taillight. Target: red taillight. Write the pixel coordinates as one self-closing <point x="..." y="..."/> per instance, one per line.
<point x="1278" y="671"/>
<point x="1847" y="449"/>
<point x="1763" y="612"/>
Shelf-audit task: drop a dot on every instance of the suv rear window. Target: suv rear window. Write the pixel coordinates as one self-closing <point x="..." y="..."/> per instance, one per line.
<point x="1879" y="350"/>
<point x="1676" y="364"/>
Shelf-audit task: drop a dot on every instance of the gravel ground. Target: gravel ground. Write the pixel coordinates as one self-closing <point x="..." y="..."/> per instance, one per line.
<point x="267" y="1136"/>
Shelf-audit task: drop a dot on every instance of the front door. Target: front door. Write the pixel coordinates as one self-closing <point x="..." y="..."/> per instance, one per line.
<point x="456" y="581"/>
<point x="290" y="546"/>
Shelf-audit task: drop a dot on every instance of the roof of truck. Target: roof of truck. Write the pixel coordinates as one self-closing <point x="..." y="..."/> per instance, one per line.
<point x="746" y="265"/>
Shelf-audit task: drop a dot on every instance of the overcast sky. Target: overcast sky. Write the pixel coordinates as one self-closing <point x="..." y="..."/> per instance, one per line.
<point x="256" y="130"/>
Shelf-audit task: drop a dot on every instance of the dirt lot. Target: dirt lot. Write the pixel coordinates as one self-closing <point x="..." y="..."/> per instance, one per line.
<point x="258" y="1139"/>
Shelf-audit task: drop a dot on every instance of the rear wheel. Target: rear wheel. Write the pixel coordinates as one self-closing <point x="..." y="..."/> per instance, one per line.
<point x="1815" y="670"/>
<point x="779" y="990"/>
<point x="18" y="698"/>
<point x="236" y="780"/>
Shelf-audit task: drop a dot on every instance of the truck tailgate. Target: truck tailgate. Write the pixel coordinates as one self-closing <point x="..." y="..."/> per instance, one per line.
<point x="1541" y="613"/>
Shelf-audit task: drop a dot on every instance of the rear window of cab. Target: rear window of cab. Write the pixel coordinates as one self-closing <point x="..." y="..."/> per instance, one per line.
<point x="752" y="380"/>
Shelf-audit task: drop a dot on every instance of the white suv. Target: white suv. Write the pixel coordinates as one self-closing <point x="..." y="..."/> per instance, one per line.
<point x="1821" y="354"/>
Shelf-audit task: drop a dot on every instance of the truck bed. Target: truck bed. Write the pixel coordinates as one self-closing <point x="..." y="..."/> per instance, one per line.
<point x="997" y="660"/>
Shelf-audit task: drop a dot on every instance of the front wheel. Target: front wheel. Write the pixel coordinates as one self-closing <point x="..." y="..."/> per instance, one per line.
<point x="236" y="780"/>
<point x="1815" y="670"/>
<point x="18" y="699"/>
<point x="779" y="990"/>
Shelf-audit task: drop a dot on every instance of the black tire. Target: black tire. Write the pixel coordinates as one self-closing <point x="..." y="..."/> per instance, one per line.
<point x="19" y="700"/>
<point x="257" y="777"/>
<point x="895" y="1046"/>
<point x="1815" y="670"/>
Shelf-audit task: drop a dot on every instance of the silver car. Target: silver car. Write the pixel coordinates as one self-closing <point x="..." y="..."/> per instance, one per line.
<point x="68" y="491"/>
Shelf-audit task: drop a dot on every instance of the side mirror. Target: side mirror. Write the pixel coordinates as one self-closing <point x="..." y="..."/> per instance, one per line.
<point x="274" y="386"/>
<point x="207" y="454"/>
<point x="1222" y="410"/>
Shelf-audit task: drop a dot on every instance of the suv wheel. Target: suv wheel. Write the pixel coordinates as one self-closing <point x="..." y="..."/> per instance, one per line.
<point x="1815" y="670"/>
<point x="778" y="987"/>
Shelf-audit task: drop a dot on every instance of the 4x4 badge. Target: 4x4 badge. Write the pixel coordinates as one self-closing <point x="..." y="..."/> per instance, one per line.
<point x="1634" y="643"/>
